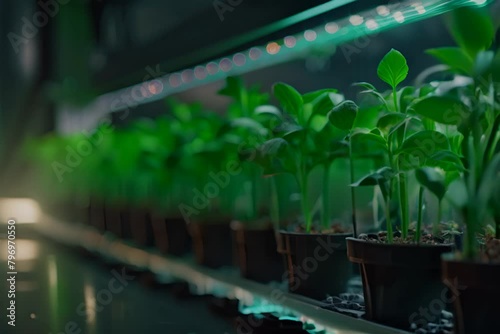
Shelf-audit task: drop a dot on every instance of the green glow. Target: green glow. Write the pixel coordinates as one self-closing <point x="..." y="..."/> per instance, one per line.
<point x="329" y="36"/>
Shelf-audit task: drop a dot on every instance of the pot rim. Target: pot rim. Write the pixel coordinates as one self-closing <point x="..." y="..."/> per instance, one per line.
<point x="347" y="235"/>
<point x="423" y="246"/>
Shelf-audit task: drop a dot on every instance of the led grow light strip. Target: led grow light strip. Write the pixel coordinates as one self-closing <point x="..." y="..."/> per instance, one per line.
<point x="331" y="34"/>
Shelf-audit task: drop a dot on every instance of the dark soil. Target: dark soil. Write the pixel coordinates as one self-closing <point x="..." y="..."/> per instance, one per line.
<point x="381" y="237"/>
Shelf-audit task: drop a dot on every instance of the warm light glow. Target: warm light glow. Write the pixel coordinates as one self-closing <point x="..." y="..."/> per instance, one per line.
<point x="290" y="41"/>
<point x="21" y="210"/>
<point x="200" y="72"/>
<point x="310" y="35"/>
<point x="155" y="87"/>
<point x="144" y="92"/>
<point x="356" y="20"/>
<point x="174" y="80"/>
<point x="273" y="48"/>
<point x="187" y="75"/>
<point x="371" y="24"/>
<point x="52" y="270"/>
<point x="419" y="8"/>
<point x="212" y="68"/>
<point x="398" y="16"/>
<point x="383" y="10"/>
<point x="239" y="59"/>
<point x="90" y="302"/>
<point x="254" y="53"/>
<point x="331" y="27"/>
<point x="225" y="64"/>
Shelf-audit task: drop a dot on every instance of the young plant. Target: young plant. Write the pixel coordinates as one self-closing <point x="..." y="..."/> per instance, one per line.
<point x="408" y="142"/>
<point x="200" y="152"/>
<point x="472" y="107"/>
<point x="303" y="140"/>
<point x="243" y="132"/>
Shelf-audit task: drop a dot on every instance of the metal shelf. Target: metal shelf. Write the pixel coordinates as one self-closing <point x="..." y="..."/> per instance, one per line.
<point x="221" y="283"/>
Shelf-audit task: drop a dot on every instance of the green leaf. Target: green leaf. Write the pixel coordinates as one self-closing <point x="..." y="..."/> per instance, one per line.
<point x="433" y="180"/>
<point x="455" y="58"/>
<point x="289" y="98"/>
<point x="425" y="143"/>
<point x="234" y="87"/>
<point x="249" y="124"/>
<point x="483" y="63"/>
<point x="426" y="89"/>
<point x="406" y="97"/>
<point x="367" y="144"/>
<point x="381" y="178"/>
<point x="388" y="120"/>
<point x="375" y="94"/>
<point x="311" y="96"/>
<point x="488" y="184"/>
<point x="393" y="68"/>
<point x="286" y="128"/>
<point x="325" y="102"/>
<point x="472" y="29"/>
<point x="343" y="115"/>
<point x="442" y="109"/>
<point x="365" y="85"/>
<point x="268" y="109"/>
<point x="457" y="193"/>
<point x="496" y="67"/>
<point x="318" y="122"/>
<point x="273" y="146"/>
<point x="446" y="160"/>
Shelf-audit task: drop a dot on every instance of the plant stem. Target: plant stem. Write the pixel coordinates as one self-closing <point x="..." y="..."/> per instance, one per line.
<point x="403" y="199"/>
<point x="470" y="245"/>
<point x="274" y="210"/>
<point x="388" y="217"/>
<point x="305" y="207"/>
<point x="353" y="191"/>
<point x="418" y="232"/>
<point x="435" y="227"/>
<point x="325" y="215"/>
<point x="395" y="97"/>
<point x="303" y="185"/>
<point x="254" y="194"/>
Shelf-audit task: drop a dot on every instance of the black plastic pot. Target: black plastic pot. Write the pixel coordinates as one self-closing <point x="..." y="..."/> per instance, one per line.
<point x="399" y="280"/>
<point x="317" y="264"/>
<point x="475" y="291"/>
<point x="171" y="235"/>
<point x="140" y="227"/>
<point x="96" y="215"/>
<point x="257" y="255"/>
<point x="112" y="217"/>
<point x="212" y="243"/>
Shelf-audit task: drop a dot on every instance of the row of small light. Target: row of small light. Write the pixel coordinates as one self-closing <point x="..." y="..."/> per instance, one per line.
<point x="369" y="21"/>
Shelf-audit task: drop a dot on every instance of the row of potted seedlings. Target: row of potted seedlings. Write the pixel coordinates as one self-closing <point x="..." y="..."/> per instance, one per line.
<point x="221" y="185"/>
